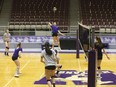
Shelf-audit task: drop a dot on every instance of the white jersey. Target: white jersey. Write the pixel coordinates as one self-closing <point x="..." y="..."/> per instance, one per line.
<point x="49" y="60"/>
<point x="7" y="36"/>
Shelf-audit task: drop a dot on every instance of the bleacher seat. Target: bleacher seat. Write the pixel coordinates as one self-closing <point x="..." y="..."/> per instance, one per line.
<point x="1" y="4"/>
<point x="30" y="12"/>
<point x="100" y="12"/>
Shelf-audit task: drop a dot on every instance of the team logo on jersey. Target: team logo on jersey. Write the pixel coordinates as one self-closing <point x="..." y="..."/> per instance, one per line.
<point x="80" y="78"/>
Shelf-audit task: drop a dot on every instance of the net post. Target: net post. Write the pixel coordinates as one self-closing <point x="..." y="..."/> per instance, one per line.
<point x="92" y="69"/>
<point x="77" y="43"/>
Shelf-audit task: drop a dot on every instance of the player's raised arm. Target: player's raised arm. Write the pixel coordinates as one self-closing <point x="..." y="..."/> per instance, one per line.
<point x="61" y="33"/>
<point x="49" y="24"/>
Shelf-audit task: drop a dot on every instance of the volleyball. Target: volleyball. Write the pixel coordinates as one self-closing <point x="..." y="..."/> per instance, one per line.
<point x="54" y="9"/>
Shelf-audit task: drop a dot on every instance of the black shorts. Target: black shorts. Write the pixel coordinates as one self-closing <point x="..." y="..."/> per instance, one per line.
<point x="14" y="58"/>
<point x="99" y="56"/>
<point x="50" y="67"/>
<point x="54" y="34"/>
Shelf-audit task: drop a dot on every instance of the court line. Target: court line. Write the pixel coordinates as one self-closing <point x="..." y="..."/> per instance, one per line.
<point x="14" y="77"/>
<point x="41" y="75"/>
<point x="79" y="64"/>
<point x="80" y="69"/>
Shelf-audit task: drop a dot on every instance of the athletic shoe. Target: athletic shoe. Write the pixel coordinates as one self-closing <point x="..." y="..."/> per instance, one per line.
<point x="57" y="75"/>
<point x="16" y="75"/>
<point x="5" y="53"/>
<point x="98" y="77"/>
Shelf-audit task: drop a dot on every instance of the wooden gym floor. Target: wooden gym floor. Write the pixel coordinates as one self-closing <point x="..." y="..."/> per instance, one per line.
<point x="33" y="70"/>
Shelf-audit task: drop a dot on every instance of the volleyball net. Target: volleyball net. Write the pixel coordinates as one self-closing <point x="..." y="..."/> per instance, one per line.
<point x="85" y="42"/>
<point x="85" y="38"/>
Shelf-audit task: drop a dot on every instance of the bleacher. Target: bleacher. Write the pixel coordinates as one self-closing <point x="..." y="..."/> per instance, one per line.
<point x="1" y="4"/>
<point x="99" y="13"/>
<point x="35" y="14"/>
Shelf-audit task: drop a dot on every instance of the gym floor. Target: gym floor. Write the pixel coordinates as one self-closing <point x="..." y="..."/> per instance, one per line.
<point x="73" y="72"/>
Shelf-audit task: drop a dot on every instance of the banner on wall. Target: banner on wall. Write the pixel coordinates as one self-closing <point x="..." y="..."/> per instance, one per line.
<point x="31" y="39"/>
<point x="111" y="40"/>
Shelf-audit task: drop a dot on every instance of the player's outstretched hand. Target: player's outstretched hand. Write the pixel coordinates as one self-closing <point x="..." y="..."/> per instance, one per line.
<point x="63" y="34"/>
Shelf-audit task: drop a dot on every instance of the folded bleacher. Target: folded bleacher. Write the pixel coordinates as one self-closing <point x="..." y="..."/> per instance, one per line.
<point x="1" y="4"/>
<point x="100" y="13"/>
<point x="35" y="14"/>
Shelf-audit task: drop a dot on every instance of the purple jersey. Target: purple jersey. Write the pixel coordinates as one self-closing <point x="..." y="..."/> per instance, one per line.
<point x="54" y="29"/>
<point x="16" y="53"/>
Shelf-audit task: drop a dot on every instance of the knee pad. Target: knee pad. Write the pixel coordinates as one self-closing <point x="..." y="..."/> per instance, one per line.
<point x="52" y="76"/>
<point x="99" y="67"/>
<point x="7" y="47"/>
<point x="60" y="66"/>
<point x="48" y="80"/>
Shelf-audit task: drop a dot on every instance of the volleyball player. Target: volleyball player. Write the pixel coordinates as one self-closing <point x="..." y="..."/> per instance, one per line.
<point x="99" y="46"/>
<point x="49" y="59"/>
<point x="6" y="39"/>
<point x="55" y="32"/>
<point x="15" y="56"/>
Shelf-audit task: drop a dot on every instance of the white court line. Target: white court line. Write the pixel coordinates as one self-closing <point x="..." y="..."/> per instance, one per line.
<point x="14" y="77"/>
<point x="79" y="65"/>
<point x="80" y="69"/>
<point x="41" y="75"/>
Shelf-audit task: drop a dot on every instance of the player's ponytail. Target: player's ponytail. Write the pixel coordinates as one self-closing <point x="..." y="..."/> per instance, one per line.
<point x="19" y="44"/>
<point x="99" y="41"/>
<point x="47" y="48"/>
